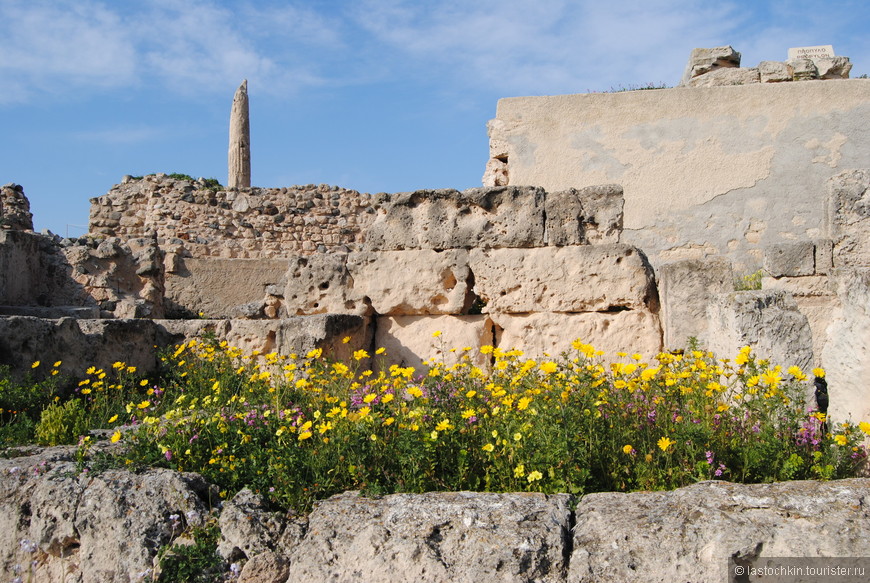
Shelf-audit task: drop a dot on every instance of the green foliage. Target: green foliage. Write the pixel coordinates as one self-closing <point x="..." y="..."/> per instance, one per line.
<point x="193" y="563"/>
<point x="62" y="424"/>
<point x="21" y="402"/>
<point x="298" y="428"/>
<point x="749" y="282"/>
<point x="178" y="176"/>
<point x="635" y="87"/>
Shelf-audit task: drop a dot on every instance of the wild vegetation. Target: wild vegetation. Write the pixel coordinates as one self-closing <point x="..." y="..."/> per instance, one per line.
<point x="298" y="428"/>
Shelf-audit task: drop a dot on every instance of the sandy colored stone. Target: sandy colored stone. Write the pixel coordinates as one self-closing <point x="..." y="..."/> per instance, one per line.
<point x="412" y="282"/>
<point x="239" y="157"/>
<point x="726" y="77"/>
<point x="774" y="72"/>
<point x="590" y="215"/>
<point x="410" y="340"/>
<point x="704" y="60"/>
<point x="504" y="216"/>
<point x="769" y="321"/>
<point x="551" y="334"/>
<point x="216" y="286"/>
<point x="579" y="278"/>
<point x="849" y="217"/>
<point x="456" y="537"/>
<point x="844" y="355"/>
<point x="791" y="259"/>
<point x="690" y="533"/>
<point x="685" y="289"/>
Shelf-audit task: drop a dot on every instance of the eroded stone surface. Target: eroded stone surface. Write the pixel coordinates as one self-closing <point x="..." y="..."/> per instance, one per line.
<point x="631" y="331"/>
<point x="563" y="279"/>
<point x="769" y="321"/>
<point x="505" y="216"/>
<point x="689" y="534"/>
<point x="410" y="340"/>
<point x="849" y="217"/>
<point x="413" y="282"/>
<point x="457" y="537"/>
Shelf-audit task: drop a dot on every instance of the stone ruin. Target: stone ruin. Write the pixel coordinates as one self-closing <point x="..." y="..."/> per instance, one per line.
<point x="721" y="66"/>
<point x="511" y="265"/>
<point x="507" y="265"/>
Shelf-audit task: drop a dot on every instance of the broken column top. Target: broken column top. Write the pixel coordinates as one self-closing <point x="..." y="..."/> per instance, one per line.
<point x="239" y="158"/>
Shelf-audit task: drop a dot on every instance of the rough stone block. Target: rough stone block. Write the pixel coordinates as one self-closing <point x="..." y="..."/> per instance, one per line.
<point x="824" y="256"/>
<point x="584" y="278"/>
<point x="803" y="69"/>
<point x="849" y="216"/>
<point x="702" y="61"/>
<point x="319" y="284"/>
<point x="647" y="536"/>
<point x="790" y="259"/>
<point x="216" y="286"/>
<point x="844" y="356"/>
<point x="551" y="334"/>
<point x="769" y="321"/>
<point x="774" y="72"/>
<point x="588" y="215"/>
<point x="685" y="290"/>
<point x="724" y="77"/>
<point x="412" y="282"/>
<point x="462" y="537"/>
<point x="833" y="67"/>
<point x="506" y="216"/>
<point x="409" y="340"/>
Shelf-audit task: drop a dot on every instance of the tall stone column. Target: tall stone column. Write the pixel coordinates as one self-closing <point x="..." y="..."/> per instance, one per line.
<point x="239" y="160"/>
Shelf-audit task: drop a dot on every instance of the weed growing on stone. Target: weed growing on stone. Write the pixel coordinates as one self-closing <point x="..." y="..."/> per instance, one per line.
<point x="298" y="428"/>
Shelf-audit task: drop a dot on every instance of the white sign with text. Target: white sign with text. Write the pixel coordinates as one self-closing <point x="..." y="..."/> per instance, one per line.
<point x="819" y="52"/>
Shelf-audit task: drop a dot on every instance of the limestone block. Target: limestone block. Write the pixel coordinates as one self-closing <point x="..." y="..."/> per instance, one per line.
<point x="844" y="355"/>
<point x="833" y="67"/>
<point x="412" y="282"/>
<point x="723" y="77"/>
<point x="685" y="290"/>
<point x="702" y="61"/>
<point x="551" y="334"/>
<point x="769" y="321"/>
<point x="505" y="216"/>
<point x="320" y="284"/>
<point x="790" y="259"/>
<point x="579" y="278"/>
<point x="803" y="69"/>
<point x="849" y="216"/>
<point x="647" y="536"/>
<point x="496" y="173"/>
<point x="409" y="340"/>
<point x="462" y="537"/>
<point x="215" y="286"/>
<point x="774" y="72"/>
<point x="298" y="334"/>
<point x="824" y="256"/>
<point x="588" y="215"/>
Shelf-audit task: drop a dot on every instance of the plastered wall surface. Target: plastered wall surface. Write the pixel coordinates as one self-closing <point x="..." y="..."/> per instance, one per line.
<point x="705" y="170"/>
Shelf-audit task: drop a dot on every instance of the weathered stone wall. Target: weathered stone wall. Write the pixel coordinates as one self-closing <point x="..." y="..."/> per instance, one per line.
<point x="705" y="170"/>
<point x="109" y="527"/>
<point x="251" y="223"/>
<point x="14" y="208"/>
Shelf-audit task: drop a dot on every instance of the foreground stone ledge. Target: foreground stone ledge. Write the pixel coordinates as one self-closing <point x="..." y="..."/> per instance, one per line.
<point x="108" y="528"/>
<point x="689" y="534"/>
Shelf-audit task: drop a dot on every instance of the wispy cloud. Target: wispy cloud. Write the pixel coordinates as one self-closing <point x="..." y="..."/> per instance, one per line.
<point x="126" y="135"/>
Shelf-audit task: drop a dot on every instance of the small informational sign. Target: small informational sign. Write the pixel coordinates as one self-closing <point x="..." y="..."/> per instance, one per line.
<point x="819" y="52"/>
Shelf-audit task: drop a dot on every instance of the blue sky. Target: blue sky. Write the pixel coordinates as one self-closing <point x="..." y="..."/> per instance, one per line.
<point x="374" y="95"/>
